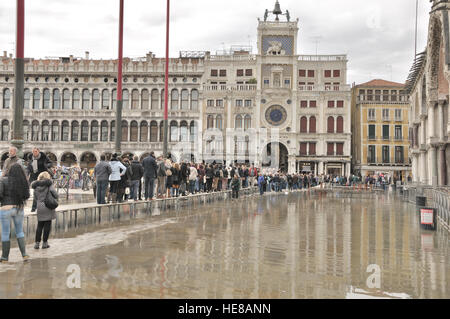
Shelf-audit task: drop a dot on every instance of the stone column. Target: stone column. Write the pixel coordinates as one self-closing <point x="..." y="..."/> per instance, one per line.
<point x="441" y="127"/>
<point x="321" y="170"/>
<point x="442" y="166"/>
<point x="423" y="168"/>
<point x="434" y="176"/>
<point x="291" y="166"/>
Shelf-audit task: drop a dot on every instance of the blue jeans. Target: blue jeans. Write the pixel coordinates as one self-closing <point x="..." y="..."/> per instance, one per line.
<point x="134" y="187"/>
<point x="6" y="216"/>
<point x="192" y="187"/>
<point x="101" y="191"/>
<point x="149" y="185"/>
<point x="261" y="189"/>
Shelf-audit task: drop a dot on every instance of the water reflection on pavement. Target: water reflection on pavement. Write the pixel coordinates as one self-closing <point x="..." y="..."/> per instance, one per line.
<point x="275" y="246"/>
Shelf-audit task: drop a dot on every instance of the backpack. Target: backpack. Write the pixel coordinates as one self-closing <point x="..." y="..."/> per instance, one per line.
<point x="130" y="169"/>
<point x="217" y="173"/>
<point x="50" y="201"/>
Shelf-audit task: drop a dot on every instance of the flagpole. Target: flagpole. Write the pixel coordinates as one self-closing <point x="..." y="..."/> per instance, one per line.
<point x="118" y="136"/>
<point x="166" y="85"/>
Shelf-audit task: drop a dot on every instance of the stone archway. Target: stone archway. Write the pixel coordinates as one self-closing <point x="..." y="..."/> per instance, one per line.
<point x="52" y="157"/>
<point x="68" y="159"/>
<point x="88" y="160"/>
<point x="276" y="155"/>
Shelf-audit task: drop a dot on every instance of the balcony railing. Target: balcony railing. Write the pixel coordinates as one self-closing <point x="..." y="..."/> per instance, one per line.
<point x="324" y="87"/>
<point x="389" y="99"/>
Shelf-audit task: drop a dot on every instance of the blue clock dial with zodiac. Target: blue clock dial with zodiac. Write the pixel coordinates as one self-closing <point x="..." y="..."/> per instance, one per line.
<point x="276" y="115"/>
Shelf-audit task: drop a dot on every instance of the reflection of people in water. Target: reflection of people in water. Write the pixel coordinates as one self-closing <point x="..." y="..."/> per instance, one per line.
<point x="113" y="274"/>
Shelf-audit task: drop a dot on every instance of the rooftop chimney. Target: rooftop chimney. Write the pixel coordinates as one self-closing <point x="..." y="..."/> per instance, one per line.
<point x="87" y="55"/>
<point x="71" y="58"/>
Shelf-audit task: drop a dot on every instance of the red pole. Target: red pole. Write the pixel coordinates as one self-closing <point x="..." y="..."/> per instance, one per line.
<point x="166" y="85"/>
<point x="20" y="29"/>
<point x="118" y="137"/>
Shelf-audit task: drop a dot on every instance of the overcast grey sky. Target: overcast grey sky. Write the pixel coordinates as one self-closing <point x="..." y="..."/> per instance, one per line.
<point x="377" y="35"/>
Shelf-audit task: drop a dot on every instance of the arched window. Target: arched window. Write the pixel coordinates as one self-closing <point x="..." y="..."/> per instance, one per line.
<point x="247" y="122"/>
<point x="173" y="131"/>
<point x="65" y="131"/>
<point x="75" y="99"/>
<point x="5" y="130"/>
<point x="340" y="124"/>
<point x="66" y="99"/>
<point x="56" y="99"/>
<point x="194" y="100"/>
<point x="75" y="129"/>
<point x="210" y="122"/>
<point x="46" y="99"/>
<point x="35" y="131"/>
<point x="36" y="99"/>
<point x="184" y="134"/>
<point x="238" y="122"/>
<point x="312" y="124"/>
<point x="133" y="131"/>
<point x="161" y="131"/>
<point x="193" y="131"/>
<point x="105" y="99"/>
<point x="184" y="99"/>
<point x="135" y="99"/>
<point x="219" y="122"/>
<point x="26" y="130"/>
<point x="26" y="98"/>
<point x="55" y="131"/>
<point x="303" y="124"/>
<point x="126" y="99"/>
<point x="84" y="131"/>
<point x="45" y="131"/>
<point x="6" y="98"/>
<point x="96" y="99"/>
<point x="104" y="131"/>
<point x="144" y="132"/>
<point x="174" y="99"/>
<point x="153" y="131"/>
<point x="124" y="131"/>
<point x="155" y="99"/>
<point x="144" y="97"/>
<point x="94" y="131"/>
<point x="112" y="131"/>
<point x="163" y="96"/>
<point x="114" y="99"/>
<point x="330" y="124"/>
<point x="85" y="103"/>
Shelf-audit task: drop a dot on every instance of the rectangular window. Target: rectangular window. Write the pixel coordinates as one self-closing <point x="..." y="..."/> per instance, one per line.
<point x="248" y="72"/>
<point x="327" y="86"/>
<point x="248" y="103"/>
<point x="371" y="115"/>
<point x="240" y="72"/>
<point x="330" y="149"/>
<point x="213" y="72"/>
<point x="287" y="83"/>
<point x="328" y="73"/>
<point x="371" y="154"/>
<point x="312" y="104"/>
<point x="385" y="132"/>
<point x="386" y="154"/>
<point x="339" y="148"/>
<point x="302" y="73"/>
<point x="238" y="102"/>
<point x="398" y="114"/>
<point x="303" y="149"/>
<point x="394" y="96"/>
<point x="371" y="132"/>
<point x="399" y="155"/>
<point x="336" y="73"/>
<point x="303" y="103"/>
<point x="377" y="95"/>
<point x="223" y="73"/>
<point x="210" y="103"/>
<point x="386" y="115"/>
<point x="219" y="103"/>
<point x="340" y="103"/>
<point x="398" y="133"/>
<point x="312" y="148"/>
<point x="330" y="103"/>
<point x="311" y="73"/>
<point x="385" y="95"/>
<point x="369" y="95"/>
<point x="266" y="82"/>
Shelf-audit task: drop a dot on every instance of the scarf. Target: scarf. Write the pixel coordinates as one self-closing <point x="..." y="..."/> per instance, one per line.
<point x="35" y="163"/>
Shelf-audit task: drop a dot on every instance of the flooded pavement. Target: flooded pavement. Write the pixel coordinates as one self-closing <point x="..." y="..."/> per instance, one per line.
<point x="276" y="246"/>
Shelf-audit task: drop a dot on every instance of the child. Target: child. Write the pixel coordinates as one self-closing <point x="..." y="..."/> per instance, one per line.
<point x="235" y="186"/>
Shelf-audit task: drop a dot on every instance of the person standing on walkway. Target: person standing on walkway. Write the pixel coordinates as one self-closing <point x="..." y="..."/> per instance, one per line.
<point x="150" y="174"/>
<point x="235" y="186"/>
<point x="261" y="184"/>
<point x="38" y="163"/>
<point x="45" y="215"/>
<point x="11" y="160"/>
<point x="117" y="171"/>
<point x="102" y="171"/>
<point x="193" y="174"/>
<point x="135" y="172"/>
<point x="14" y="191"/>
<point x="161" y="177"/>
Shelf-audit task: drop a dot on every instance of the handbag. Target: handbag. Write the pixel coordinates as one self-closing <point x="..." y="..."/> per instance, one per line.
<point x="168" y="172"/>
<point x="50" y="201"/>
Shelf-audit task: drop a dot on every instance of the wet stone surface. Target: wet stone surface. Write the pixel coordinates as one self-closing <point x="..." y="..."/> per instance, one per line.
<point x="275" y="246"/>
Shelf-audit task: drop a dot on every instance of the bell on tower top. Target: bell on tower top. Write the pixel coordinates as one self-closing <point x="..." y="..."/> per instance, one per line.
<point x="276" y="11"/>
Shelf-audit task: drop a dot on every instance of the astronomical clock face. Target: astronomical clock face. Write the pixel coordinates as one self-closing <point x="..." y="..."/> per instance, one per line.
<point x="276" y="115"/>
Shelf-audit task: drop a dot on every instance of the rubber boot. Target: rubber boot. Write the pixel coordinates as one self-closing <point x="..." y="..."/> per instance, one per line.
<point x="45" y="245"/>
<point x="36" y="245"/>
<point x="22" y="245"/>
<point x="6" y="245"/>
